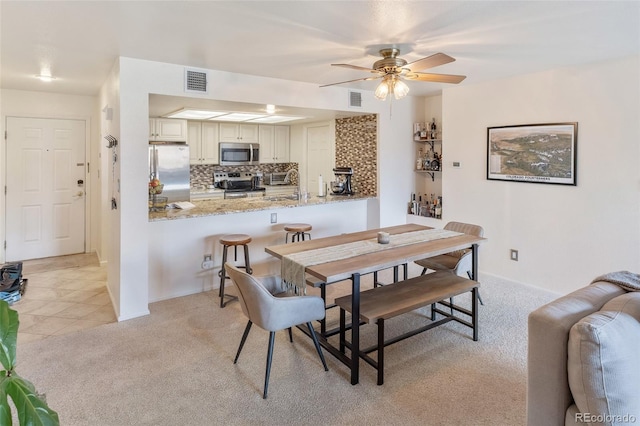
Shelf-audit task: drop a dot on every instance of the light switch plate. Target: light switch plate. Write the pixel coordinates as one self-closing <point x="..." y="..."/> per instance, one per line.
<point x="274" y="217"/>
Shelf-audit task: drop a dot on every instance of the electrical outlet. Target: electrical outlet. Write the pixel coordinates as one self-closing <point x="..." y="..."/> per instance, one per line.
<point x="514" y="255"/>
<point x="274" y="217"/>
<point x="207" y="263"/>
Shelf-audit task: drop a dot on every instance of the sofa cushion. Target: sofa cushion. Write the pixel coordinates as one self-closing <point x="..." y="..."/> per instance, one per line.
<point x="604" y="361"/>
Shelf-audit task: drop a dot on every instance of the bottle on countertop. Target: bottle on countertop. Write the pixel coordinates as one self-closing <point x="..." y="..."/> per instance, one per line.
<point x="439" y="208"/>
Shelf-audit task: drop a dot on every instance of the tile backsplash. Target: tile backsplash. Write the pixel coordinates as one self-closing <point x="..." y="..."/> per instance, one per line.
<point x="356" y="147"/>
<point x="202" y="174"/>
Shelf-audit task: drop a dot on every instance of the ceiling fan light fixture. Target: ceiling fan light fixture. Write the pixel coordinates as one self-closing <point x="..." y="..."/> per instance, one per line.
<point x="382" y="90"/>
<point x="400" y="89"/>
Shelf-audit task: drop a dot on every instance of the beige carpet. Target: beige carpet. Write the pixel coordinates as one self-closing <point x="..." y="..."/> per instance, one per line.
<point x="175" y="366"/>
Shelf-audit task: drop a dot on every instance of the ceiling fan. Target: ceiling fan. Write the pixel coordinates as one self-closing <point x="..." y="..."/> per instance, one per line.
<point x="392" y="70"/>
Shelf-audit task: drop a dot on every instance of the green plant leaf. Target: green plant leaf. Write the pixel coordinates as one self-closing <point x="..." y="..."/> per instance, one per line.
<point x="8" y="335"/>
<point x="5" y="409"/>
<point x="31" y="409"/>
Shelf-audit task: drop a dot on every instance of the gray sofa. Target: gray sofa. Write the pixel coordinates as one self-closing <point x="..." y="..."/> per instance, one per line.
<point x="584" y="358"/>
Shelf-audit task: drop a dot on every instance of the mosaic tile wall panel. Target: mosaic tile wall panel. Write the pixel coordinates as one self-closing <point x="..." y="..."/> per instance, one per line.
<point x="202" y="174"/>
<point x="357" y="147"/>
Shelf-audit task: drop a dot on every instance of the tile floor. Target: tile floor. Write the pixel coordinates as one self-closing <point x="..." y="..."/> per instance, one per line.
<point x="64" y="294"/>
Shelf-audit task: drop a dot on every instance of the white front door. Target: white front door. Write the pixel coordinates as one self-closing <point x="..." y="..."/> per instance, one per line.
<point x="319" y="155"/>
<point x="45" y="202"/>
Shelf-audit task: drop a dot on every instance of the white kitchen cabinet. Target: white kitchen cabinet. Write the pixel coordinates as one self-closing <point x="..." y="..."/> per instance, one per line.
<point x="203" y="137"/>
<point x="238" y="132"/>
<point x="274" y="144"/>
<point x="167" y="130"/>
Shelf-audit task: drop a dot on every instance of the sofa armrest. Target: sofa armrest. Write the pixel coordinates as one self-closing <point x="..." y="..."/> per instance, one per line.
<point x="548" y="393"/>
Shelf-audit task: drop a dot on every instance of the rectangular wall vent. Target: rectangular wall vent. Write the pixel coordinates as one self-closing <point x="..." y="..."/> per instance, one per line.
<point x="195" y="81"/>
<point x="355" y="99"/>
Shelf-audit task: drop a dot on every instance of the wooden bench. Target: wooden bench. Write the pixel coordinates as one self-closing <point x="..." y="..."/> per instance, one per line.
<point x="382" y="303"/>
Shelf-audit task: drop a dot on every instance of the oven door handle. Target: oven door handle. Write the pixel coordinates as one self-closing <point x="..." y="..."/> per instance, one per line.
<point x="230" y="195"/>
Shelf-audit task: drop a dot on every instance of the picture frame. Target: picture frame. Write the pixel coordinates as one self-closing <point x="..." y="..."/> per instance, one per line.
<point x="535" y="153"/>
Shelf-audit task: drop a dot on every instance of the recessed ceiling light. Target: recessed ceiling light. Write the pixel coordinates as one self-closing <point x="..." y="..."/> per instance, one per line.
<point x="195" y="114"/>
<point x="275" y="119"/>
<point x="237" y="116"/>
<point x="46" y="78"/>
<point x="271" y="108"/>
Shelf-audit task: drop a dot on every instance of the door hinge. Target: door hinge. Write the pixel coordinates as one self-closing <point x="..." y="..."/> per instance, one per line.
<point x="5" y="244"/>
<point x="5" y="135"/>
<point x="5" y="190"/>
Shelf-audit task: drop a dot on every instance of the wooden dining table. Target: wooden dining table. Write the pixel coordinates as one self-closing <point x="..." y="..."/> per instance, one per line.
<point x="351" y="268"/>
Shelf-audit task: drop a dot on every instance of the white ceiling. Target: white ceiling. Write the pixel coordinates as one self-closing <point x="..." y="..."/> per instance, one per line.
<point x="79" y="41"/>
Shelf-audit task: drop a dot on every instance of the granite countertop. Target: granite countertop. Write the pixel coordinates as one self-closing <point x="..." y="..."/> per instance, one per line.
<point x="215" y="207"/>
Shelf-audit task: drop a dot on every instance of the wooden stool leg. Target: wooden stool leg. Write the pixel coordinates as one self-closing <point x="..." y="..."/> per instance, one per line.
<point x="247" y="264"/>
<point x="223" y="274"/>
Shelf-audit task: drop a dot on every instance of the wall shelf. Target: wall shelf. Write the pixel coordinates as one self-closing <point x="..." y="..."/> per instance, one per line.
<point x="429" y="172"/>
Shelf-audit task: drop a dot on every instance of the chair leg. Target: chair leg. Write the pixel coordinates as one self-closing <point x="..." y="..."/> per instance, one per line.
<point x="290" y="335"/>
<point x="479" y="297"/>
<point x="244" y="339"/>
<point x="317" y="345"/>
<point x="424" y="271"/>
<point x="272" y="336"/>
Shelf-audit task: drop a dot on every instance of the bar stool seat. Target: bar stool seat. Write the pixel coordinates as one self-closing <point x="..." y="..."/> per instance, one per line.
<point x="299" y="231"/>
<point x="233" y="240"/>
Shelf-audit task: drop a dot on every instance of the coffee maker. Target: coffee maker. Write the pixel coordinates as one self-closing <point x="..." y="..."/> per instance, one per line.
<point x="342" y="184"/>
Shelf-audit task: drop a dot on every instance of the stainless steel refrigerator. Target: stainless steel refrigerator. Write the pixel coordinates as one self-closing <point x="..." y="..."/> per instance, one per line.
<point x="169" y="162"/>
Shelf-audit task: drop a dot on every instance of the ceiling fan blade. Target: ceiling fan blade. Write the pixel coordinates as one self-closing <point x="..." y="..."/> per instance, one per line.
<point x="351" y="81"/>
<point x="436" y="78"/>
<point x="354" y="67"/>
<point x="429" y="62"/>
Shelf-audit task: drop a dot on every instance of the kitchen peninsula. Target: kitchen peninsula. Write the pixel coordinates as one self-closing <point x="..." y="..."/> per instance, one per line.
<point x="180" y="240"/>
<point x="212" y="207"/>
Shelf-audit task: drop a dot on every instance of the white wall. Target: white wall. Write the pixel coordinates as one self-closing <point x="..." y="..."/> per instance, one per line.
<point x="137" y="79"/>
<point x="110" y="218"/>
<point x="19" y="103"/>
<point x="566" y="235"/>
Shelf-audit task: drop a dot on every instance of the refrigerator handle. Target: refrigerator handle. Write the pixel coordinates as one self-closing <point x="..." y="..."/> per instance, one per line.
<point x="153" y="163"/>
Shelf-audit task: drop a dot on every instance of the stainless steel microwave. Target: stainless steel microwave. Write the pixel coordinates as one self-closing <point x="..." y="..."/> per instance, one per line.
<point x="239" y="154"/>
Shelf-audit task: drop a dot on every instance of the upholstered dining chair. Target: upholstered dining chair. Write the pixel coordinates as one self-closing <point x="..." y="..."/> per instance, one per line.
<point x="459" y="262"/>
<point x="266" y="304"/>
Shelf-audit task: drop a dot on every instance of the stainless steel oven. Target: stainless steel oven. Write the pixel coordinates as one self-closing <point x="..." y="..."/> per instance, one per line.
<point x="239" y="154"/>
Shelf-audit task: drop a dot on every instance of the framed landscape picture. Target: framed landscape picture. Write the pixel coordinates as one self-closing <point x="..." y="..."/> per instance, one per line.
<point x="539" y="153"/>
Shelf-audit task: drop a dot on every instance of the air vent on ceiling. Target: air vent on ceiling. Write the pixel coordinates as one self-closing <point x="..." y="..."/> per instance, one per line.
<point x="355" y="99"/>
<point x="195" y="81"/>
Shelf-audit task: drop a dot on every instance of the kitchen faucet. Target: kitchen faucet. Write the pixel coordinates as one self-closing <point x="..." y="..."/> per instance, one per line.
<point x="287" y="179"/>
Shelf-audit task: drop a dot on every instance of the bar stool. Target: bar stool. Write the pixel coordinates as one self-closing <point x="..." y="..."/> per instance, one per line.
<point x="233" y="240"/>
<point x="299" y="230"/>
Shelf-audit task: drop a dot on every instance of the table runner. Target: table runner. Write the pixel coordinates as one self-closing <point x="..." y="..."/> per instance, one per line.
<point x="293" y="265"/>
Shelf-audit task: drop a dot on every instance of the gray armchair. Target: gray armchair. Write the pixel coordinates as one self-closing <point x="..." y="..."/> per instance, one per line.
<point x="261" y="303"/>
<point x="459" y="262"/>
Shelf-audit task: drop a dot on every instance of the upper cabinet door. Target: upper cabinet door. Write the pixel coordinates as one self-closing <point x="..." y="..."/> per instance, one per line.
<point x="281" y="144"/>
<point x="234" y="132"/>
<point x="210" y="138"/>
<point x="203" y="142"/>
<point x="167" y="130"/>
<point x="248" y="133"/>
<point x="229" y="132"/>
<point x="194" y="139"/>
<point x="266" y="135"/>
